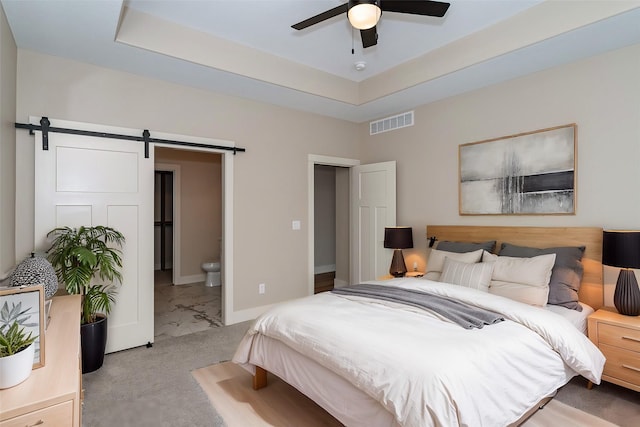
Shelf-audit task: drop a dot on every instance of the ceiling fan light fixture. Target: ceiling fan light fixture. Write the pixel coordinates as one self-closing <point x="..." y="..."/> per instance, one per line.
<point x="364" y="14"/>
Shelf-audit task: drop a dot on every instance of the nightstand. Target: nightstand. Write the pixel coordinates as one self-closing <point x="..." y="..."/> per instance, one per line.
<point x="407" y="274"/>
<point x="618" y="338"/>
<point x="414" y="274"/>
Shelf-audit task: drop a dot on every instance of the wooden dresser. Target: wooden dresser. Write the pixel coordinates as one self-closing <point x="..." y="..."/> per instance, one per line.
<point x="618" y="337"/>
<point x="51" y="395"/>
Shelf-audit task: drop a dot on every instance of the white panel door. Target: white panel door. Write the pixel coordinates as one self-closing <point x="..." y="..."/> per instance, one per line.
<point x="373" y="207"/>
<point x="89" y="181"/>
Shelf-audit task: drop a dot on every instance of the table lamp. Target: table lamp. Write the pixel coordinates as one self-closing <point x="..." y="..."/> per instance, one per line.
<point x="398" y="238"/>
<point x="621" y="248"/>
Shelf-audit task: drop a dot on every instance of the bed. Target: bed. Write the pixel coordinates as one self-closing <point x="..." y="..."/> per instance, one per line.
<point x="379" y="363"/>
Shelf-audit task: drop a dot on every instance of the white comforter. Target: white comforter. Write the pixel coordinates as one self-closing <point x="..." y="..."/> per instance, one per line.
<point x="429" y="371"/>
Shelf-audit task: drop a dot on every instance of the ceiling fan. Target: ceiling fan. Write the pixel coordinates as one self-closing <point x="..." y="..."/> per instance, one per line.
<point x="365" y="14"/>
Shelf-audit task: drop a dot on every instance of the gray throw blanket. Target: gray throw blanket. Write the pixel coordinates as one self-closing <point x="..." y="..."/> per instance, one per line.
<point x="465" y="315"/>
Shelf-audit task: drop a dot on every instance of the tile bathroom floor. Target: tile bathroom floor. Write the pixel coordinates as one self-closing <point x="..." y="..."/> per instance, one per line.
<point x="184" y="309"/>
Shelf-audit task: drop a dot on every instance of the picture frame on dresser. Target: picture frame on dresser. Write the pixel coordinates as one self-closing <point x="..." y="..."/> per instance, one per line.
<point x="25" y="305"/>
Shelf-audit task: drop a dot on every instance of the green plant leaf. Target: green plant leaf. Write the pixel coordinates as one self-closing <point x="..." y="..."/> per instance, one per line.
<point x="15" y="340"/>
<point x="80" y="255"/>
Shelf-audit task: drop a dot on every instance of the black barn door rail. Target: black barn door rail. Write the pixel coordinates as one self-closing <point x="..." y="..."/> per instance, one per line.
<point x="146" y="137"/>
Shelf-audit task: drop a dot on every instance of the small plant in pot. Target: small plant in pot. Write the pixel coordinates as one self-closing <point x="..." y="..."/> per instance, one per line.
<point x="88" y="261"/>
<point x="16" y="355"/>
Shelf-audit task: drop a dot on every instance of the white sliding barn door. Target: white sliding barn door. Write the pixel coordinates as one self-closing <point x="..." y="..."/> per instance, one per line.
<point x="91" y="181"/>
<point x="373" y="207"/>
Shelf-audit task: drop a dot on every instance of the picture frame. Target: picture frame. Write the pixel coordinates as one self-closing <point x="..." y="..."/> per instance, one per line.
<point x="25" y="304"/>
<point x="530" y="173"/>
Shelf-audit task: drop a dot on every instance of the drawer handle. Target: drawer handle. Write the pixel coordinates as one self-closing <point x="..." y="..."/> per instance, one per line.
<point x="633" y="368"/>
<point x="40" y="422"/>
<point x="624" y="337"/>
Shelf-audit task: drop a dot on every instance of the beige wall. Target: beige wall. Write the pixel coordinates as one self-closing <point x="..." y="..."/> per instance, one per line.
<point x="200" y="206"/>
<point x="599" y="94"/>
<point x="270" y="179"/>
<point x="8" y="61"/>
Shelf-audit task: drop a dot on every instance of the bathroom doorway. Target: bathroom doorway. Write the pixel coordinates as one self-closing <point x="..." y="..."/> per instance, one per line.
<point x="190" y="231"/>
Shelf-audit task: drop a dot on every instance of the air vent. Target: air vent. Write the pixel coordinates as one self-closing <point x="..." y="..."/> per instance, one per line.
<point x="391" y="123"/>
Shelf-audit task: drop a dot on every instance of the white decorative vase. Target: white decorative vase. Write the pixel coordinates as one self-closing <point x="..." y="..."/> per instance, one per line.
<point x="16" y="368"/>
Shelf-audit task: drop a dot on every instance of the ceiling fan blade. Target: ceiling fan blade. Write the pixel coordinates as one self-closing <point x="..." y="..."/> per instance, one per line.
<point x="425" y="7"/>
<point x="343" y="8"/>
<point x="369" y="37"/>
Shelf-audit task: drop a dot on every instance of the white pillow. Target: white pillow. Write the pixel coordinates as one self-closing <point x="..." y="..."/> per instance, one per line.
<point x="522" y="279"/>
<point x="436" y="261"/>
<point x="472" y="275"/>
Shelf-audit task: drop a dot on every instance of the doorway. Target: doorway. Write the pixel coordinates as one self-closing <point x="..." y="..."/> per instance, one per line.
<point x="329" y="222"/>
<point x="331" y="213"/>
<point x="188" y="233"/>
<point x="372" y="207"/>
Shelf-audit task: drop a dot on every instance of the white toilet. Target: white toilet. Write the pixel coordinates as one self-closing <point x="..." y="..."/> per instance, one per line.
<point x="213" y="273"/>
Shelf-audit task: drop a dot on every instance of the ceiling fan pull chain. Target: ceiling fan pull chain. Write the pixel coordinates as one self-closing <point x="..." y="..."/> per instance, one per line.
<point x="353" y="52"/>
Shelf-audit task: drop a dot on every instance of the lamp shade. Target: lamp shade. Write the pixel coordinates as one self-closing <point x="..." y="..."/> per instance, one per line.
<point x="364" y="14"/>
<point x="621" y="248"/>
<point x="398" y="237"/>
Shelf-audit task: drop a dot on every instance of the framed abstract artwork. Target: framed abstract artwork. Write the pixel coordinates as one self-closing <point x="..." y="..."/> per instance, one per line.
<point x="532" y="173"/>
<point x="25" y="306"/>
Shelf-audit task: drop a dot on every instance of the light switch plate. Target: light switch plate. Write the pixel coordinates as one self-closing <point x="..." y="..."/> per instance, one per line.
<point x="295" y="225"/>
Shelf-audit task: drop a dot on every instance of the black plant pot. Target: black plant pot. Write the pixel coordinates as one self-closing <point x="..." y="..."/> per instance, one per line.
<point x="93" y="339"/>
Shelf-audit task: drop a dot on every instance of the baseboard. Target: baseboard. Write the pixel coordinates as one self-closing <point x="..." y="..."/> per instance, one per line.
<point x="186" y="280"/>
<point x="319" y="269"/>
<point x="338" y="283"/>
<point x="244" y="315"/>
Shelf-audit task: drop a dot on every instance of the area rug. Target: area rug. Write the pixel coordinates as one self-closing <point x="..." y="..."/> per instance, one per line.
<point x="229" y="388"/>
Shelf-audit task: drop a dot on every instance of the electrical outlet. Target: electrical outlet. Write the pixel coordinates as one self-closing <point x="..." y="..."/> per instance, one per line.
<point x="261" y="288"/>
<point x="415" y="266"/>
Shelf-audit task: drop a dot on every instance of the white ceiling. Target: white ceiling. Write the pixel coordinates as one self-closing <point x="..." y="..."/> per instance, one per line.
<point x="247" y="48"/>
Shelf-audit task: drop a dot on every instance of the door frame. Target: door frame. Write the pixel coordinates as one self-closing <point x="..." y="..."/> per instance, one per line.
<point x="313" y="160"/>
<point x="176" y="229"/>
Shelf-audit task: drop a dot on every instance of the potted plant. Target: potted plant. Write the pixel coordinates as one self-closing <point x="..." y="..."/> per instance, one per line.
<point x="81" y="256"/>
<point x="16" y="355"/>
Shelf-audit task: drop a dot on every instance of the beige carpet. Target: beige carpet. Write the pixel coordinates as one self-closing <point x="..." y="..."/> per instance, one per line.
<point x="228" y="387"/>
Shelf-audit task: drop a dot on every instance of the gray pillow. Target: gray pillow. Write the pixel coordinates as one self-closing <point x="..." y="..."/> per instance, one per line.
<point x="461" y="247"/>
<point x="565" y="276"/>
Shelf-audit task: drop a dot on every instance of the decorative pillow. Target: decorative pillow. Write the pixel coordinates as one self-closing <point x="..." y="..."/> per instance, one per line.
<point x="460" y="247"/>
<point x="566" y="275"/>
<point x="521" y="279"/>
<point x="436" y="261"/>
<point x="471" y="275"/>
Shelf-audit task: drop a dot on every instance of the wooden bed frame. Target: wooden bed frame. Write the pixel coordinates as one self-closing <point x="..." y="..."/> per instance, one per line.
<point x="591" y="289"/>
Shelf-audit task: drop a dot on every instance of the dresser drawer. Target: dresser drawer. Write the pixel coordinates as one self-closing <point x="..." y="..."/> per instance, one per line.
<point x="53" y="416"/>
<point x="621" y="364"/>
<point x="619" y="336"/>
